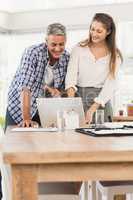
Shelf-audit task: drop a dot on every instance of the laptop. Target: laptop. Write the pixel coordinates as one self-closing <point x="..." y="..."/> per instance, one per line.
<point x="48" y="108"/>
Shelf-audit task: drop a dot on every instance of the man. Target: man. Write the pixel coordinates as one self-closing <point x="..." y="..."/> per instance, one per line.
<point x="42" y="70"/>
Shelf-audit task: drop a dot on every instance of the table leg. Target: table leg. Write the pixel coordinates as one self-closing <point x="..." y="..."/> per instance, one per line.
<point x="24" y="182"/>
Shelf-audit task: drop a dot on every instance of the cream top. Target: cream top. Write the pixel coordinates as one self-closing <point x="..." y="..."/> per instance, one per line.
<point x="85" y="71"/>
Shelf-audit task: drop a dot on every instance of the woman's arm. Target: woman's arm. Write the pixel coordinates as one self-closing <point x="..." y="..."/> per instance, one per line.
<point x="72" y="72"/>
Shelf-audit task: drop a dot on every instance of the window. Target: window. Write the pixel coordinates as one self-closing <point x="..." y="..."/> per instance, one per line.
<point x="124" y="94"/>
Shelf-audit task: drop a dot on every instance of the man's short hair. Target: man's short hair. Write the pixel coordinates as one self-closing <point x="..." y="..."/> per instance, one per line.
<point x="56" y="29"/>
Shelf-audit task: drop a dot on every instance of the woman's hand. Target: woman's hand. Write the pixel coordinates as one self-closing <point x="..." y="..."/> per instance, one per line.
<point x="71" y="92"/>
<point x="88" y="116"/>
<point x="90" y="112"/>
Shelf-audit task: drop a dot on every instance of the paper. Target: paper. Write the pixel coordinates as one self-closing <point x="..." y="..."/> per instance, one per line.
<point x="30" y="129"/>
<point x="117" y="124"/>
<point x="114" y="131"/>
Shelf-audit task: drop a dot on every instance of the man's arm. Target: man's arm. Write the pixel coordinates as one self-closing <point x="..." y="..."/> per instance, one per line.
<point x="25" y="107"/>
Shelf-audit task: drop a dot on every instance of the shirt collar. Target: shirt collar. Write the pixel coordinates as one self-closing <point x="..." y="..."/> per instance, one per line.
<point x="47" y="54"/>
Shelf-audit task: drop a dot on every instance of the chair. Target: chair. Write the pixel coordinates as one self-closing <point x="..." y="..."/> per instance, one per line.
<point x="107" y="189"/>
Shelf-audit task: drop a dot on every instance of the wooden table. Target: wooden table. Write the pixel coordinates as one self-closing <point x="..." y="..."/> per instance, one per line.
<point x="66" y="156"/>
<point x="123" y="119"/>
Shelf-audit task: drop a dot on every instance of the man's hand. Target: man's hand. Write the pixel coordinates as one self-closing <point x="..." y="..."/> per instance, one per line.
<point x="29" y="123"/>
<point x="53" y="91"/>
<point x="26" y="107"/>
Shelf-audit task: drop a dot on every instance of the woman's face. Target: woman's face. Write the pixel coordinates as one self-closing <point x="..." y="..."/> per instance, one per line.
<point x="98" y="32"/>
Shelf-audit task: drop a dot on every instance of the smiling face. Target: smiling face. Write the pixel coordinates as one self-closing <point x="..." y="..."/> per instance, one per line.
<point x="98" y="32"/>
<point x="56" y="45"/>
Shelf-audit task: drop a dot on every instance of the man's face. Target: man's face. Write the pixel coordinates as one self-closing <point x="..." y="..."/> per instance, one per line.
<point x="56" y="45"/>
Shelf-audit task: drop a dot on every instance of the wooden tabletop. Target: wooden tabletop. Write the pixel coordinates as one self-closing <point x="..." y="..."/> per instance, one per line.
<point x="122" y="118"/>
<point x="69" y="146"/>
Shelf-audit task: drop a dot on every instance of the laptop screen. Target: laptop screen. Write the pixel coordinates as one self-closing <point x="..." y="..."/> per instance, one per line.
<point x="48" y="108"/>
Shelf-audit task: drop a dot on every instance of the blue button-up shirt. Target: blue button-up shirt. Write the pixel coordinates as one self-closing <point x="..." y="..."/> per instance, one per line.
<point x="30" y="74"/>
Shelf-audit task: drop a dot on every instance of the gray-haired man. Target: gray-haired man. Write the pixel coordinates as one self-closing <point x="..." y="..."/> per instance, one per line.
<point x="43" y="68"/>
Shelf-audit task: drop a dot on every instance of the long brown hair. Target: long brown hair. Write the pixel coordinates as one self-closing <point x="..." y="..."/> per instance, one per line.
<point x="109" y="24"/>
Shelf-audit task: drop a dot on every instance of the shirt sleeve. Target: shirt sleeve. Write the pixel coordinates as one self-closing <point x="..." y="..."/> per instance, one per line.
<point x="109" y="86"/>
<point x="72" y="70"/>
<point x="27" y="69"/>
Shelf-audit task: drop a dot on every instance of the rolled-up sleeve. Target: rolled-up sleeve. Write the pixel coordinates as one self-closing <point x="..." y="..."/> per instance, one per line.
<point x="72" y="70"/>
<point x="109" y="86"/>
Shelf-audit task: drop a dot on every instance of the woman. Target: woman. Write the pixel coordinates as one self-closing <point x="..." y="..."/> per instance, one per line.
<point x="93" y="67"/>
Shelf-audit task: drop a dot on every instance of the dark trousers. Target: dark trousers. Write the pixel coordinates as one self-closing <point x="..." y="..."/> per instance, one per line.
<point x="88" y="94"/>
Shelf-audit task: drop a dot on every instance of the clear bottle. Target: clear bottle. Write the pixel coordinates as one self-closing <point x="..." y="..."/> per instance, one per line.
<point x="60" y="120"/>
<point x="99" y="116"/>
<point x="71" y="120"/>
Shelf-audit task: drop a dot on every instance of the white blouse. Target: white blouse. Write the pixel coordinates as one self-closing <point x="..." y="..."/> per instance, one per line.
<point x="85" y="71"/>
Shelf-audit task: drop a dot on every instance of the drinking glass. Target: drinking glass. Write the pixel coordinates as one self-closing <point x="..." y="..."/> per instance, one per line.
<point x="99" y="117"/>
